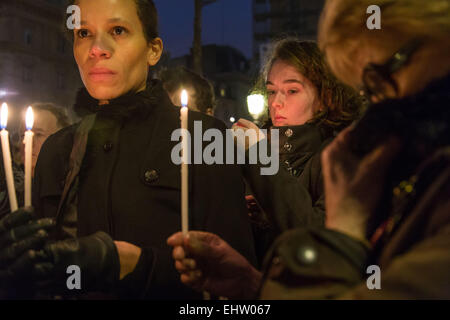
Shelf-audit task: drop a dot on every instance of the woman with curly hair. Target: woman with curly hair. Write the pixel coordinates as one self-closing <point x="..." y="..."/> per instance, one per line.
<point x="308" y="106"/>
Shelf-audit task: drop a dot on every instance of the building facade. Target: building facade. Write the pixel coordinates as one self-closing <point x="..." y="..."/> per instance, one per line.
<point x="36" y="60"/>
<point x="273" y="19"/>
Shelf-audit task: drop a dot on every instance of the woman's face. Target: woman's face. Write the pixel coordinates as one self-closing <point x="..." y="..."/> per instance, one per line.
<point x="111" y="50"/>
<point x="292" y="98"/>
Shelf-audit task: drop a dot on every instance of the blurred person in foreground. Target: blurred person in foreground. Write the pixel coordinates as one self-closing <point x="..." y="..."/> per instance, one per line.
<point x="200" y="91"/>
<point x="387" y="179"/>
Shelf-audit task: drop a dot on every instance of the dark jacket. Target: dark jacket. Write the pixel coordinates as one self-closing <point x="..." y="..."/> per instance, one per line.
<point x="294" y="197"/>
<point x="409" y="232"/>
<point x="129" y="187"/>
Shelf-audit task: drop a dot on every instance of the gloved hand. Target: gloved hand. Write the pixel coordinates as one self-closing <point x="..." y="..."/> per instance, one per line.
<point x="96" y="256"/>
<point x="21" y="238"/>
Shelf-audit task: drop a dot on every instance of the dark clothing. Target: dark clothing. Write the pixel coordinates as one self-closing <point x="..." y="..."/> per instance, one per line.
<point x="294" y="197"/>
<point x="409" y="232"/>
<point x="129" y="187"/>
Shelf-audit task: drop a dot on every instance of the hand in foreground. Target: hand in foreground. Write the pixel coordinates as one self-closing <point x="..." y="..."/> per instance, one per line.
<point x="21" y="239"/>
<point x="353" y="186"/>
<point x="207" y="263"/>
<point x="96" y="255"/>
<point x="246" y="125"/>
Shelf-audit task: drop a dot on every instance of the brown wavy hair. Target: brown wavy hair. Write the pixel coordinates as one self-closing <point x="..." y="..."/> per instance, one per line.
<point x="341" y="105"/>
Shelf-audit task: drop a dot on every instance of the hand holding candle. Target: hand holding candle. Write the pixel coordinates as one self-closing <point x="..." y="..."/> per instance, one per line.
<point x="184" y="163"/>
<point x="7" y="159"/>
<point x="28" y="141"/>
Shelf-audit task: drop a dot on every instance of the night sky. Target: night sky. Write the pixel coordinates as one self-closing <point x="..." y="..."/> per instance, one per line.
<point x="225" y="22"/>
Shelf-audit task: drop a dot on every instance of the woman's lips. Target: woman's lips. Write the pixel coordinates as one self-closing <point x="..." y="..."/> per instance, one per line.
<point x="279" y="120"/>
<point x="101" y="74"/>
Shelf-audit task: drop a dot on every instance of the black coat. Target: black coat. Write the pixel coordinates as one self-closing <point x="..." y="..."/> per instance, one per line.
<point x="129" y="187"/>
<point x="294" y="197"/>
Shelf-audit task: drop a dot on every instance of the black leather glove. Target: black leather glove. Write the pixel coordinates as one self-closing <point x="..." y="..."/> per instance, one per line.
<point x="96" y="256"/>
<point x="21" y="238"/>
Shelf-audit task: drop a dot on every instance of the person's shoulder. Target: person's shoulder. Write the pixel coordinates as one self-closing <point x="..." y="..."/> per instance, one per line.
<point x="58" y="144"/>
<point x="207" y="120"/>
<point x="52" y="161"/>
<point x="62" y="136"/>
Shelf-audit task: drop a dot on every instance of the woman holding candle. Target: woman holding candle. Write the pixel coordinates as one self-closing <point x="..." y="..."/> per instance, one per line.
<point x="110" y="181"/>
<point x="308" y="106"/>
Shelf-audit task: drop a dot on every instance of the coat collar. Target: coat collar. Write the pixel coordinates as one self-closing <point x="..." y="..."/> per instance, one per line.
<point x="125" y="105"/>
<point x="297" y="144"/>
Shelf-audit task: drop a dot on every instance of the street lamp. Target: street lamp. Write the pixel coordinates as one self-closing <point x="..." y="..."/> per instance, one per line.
<point x="5" y="92"/>
<point x="256" y="103"/>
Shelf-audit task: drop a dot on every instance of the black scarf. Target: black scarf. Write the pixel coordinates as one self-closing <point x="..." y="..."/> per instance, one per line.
<point x="124" y="106"/>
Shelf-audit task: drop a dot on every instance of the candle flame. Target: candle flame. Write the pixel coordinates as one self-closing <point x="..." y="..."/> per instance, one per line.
<point x="29" y="118"/>
<point x="184" y="98"/>
<point x="4" y="116"/>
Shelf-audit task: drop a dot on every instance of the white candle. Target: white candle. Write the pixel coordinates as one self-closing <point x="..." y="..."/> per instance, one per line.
<point x="28" y="141"/>
<point x="7" y="164"/>
<point x="184" y="164"/>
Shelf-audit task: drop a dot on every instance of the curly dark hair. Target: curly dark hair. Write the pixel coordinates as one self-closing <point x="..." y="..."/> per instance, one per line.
<point x="341" y="105"/>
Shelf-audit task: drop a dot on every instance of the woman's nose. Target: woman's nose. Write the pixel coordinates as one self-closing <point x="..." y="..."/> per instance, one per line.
<point x="278" y="100"/>
<point x="100" y="49"/>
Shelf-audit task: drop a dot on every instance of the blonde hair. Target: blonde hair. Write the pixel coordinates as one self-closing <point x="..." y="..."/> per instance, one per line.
<point x="343" y="25"/>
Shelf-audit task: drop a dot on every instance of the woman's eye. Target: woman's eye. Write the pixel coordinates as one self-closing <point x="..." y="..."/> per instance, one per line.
<point x="83" y="33"/>
<point x="292" y="91"/>
<point x="270" y="92"/>
<point x="117" y="31"/>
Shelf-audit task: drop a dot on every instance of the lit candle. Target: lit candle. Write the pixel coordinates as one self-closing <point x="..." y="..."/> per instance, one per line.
<point x="184" y="163"/>
<point x="7" y="164"/>
<point x="28" y="141"/>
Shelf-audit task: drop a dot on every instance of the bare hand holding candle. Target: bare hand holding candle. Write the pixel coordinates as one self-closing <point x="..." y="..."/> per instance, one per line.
<point x="184" y="164"/>
<point x="7" y="159"/>
<point x="28" y="141"/>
